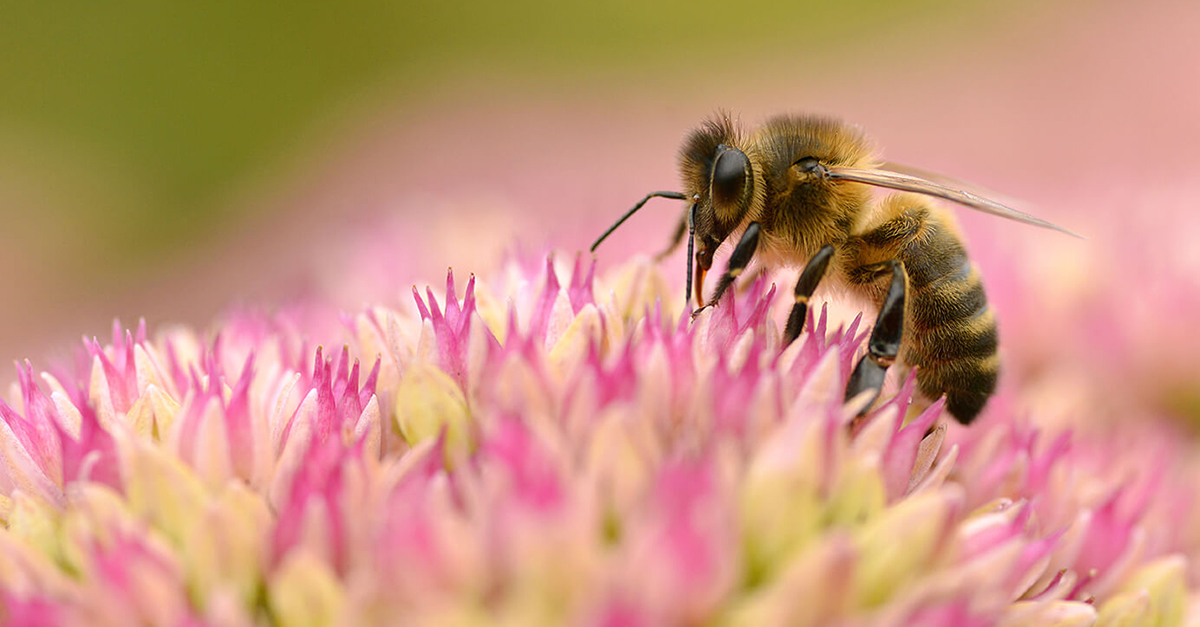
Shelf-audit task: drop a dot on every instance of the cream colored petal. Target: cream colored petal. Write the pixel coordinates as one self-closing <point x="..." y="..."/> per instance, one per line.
<point x="516" y="386"/>
<point x="162" y="490"/>
<point x="936" y="477"/>
<point x="149" y="372"/>
<point x="427" y="345"/>
<point x="780" y="514"/>
<point x="1052" y="614"/>
<point x="787" y="358"/>
<point x="224" y="607"/>
<point x="369" y="428"/>
<point x="858" y="494"/>
<point x="739" y="352"/>
<point x="572" y="345"/>
<point x="315" y="530"/>
<point x="212" y="455"/>
<point x="428" y="401"/>
<point x="227" y="549"/>
<point x="304" y="592"/>
<point x="875" y="435"/>
<point x="68" y="415"/>
<point x="615" y="462"/>
<point x="100" y="395"/>
<point x="1156" y="596"/>
<point x="141" y="417"/>
<point x="283" y="412"/>
<point x="1121" y="568"/>
<point x="165" y="410"/>
<point x="813" y="590"/>
<point x="654" y="386"/>
<point x="561" y="316"/>
<point x="53" y="385"/>
<point x="887" y="565"/>
<point x="477" y="353"/>
<point x="822" y="389"/>
<point x="294" y="451"/>
<point x="1129" y="609"/>
<point x="613" y="328"/>
<point x="638" y="286"/>
<point x="372" y="341"/>
<point x="400" y="341"/>
<point x="35" y="524"/>
<point x="763" y="416"/>
<point x="492" y="311"/>
<point x="28" y="566"/>
<point x="927" y="453"/>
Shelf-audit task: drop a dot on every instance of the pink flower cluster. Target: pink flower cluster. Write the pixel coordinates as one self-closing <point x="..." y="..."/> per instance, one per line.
<point x="563" y="448"/>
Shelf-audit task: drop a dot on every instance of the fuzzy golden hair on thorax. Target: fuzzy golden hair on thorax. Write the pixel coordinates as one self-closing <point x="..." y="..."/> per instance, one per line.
<point x="801" y="207"/>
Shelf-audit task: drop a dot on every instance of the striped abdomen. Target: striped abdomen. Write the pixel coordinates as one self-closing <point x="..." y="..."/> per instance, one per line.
<point x="950" y="333"/>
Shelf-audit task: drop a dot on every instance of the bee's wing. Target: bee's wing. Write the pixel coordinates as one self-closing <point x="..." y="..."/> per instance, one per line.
<point x="919" y="185"/>
<point x="950" y="181"/>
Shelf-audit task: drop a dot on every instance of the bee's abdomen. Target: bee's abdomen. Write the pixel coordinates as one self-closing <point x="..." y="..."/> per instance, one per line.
<point x="951" y="335"/>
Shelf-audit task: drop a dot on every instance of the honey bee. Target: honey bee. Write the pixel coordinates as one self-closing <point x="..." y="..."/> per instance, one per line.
<point x="797" y="191"/>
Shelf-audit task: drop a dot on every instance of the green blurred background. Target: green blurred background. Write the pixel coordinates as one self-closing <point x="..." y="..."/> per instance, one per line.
<point x="132" y="121"/>
<point x="140" y="142"/>
<point x="131" y="132"/>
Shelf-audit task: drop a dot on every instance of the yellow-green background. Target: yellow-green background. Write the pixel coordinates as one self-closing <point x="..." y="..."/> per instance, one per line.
<point x="135" y="136"/>
<point x="128" y="121"/>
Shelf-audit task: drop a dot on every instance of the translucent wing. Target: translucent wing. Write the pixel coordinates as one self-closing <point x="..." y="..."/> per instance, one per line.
<point x="919" y="185"/>
<point x="950" y="181"/>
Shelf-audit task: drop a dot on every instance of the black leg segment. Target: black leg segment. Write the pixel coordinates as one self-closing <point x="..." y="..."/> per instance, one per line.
<point x="738" y="261"/>
<point x="884" y="344"/>
<point x="691" y="228"/>
<point x="805" y="286"/>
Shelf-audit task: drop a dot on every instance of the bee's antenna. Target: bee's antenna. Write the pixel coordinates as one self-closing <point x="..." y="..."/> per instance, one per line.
<point x="671" y="195"/>
<point x="691" y="223"/>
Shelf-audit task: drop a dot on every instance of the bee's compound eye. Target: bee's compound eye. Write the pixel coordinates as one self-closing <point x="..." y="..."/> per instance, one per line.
<point x="808" y="164"/>
<point x="729" y="176"/>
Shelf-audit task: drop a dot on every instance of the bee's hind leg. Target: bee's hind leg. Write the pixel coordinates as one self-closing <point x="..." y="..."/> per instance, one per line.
<point x="884" y="344"/>
<point x="805" y="286"/>
<point x="738" y="261"/>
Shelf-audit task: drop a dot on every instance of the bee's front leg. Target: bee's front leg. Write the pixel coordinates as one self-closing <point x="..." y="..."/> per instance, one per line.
<point x="884" y="344"/>
<point x="738" y="261"/>
<point x="814" y="270"/>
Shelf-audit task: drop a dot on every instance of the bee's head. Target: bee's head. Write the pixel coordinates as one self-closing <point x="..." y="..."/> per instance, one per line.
<point x="722" y="180"/>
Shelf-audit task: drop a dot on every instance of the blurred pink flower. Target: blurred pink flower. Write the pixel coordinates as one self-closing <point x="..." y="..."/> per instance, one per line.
<point x="559" y="446"/>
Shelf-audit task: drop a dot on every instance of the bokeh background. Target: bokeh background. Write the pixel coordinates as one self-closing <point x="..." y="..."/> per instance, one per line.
<point x="172" y="160"/>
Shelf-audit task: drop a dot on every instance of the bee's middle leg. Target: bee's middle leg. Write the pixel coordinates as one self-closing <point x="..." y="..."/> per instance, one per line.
<point x="681" y="229"/>
<point x="884" y="344"/>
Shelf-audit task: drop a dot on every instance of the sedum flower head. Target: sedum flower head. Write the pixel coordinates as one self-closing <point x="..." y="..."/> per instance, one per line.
<point x="553" y="447"/>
